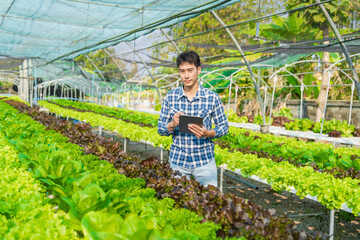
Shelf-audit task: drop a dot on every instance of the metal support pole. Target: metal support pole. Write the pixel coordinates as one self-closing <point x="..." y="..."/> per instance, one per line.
<point x="100" y="130"/>
<point x="272" y="98"/>
<point x="55" y="88"/>
<point x="148" y="98"/>
<point x="228" y="109"/>
<point x="221" y="178"/>
<point x="332" y="224"/>
<point x="117" y="64"/>
<point x="125" y="145"/>
<point x="146" y="67"/>
<point x="327" y="95"/>
<point x="247" y="64"/>
<point x="301" y="100"/>
<point x="92" y="88"/>
<point x="27" y="80"/>
<point x="351" y="101"/>
<point x="265" y="93"/>
<point x="98" y="70"/>
<point x="132" y="99"/>
<point x="306" y="215"/>
<point x="172" y="41"/>
<point x="139" y="95"/>
<point x="35" y="91"/>
<point x="161" y="155"/>
<point x="236" y="93"/>
<point x="343" y="46"/>
<point x="81" y="69"/>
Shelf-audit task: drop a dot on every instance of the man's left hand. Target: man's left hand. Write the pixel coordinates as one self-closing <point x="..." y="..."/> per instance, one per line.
<point x="198" y="131"/>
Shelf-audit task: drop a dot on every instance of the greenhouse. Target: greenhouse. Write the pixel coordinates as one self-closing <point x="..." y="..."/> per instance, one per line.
<point x="209" y="119"/>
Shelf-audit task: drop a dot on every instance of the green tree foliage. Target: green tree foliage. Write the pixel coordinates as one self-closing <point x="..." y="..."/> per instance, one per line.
<point x="293" y="28"/>
<point x="104" y="63"/>
<point x="210" y="43"/>
<point x="314" y="17"/>
<point x="338" y="10"/>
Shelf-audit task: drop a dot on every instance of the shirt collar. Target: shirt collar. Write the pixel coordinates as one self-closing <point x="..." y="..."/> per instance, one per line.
<point x="199" y="94"/>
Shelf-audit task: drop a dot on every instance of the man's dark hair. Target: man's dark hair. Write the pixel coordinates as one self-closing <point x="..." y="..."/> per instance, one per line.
<point x="190" y="57"/>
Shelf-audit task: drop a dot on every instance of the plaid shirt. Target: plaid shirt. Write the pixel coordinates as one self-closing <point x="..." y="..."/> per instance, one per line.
<point x="187" y="150"/>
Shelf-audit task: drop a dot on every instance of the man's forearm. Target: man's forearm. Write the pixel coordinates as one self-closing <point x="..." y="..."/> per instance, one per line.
<point x="211" y="133"/>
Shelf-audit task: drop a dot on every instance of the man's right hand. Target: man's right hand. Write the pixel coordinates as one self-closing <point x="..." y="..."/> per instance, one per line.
<point x="175" y="121"/>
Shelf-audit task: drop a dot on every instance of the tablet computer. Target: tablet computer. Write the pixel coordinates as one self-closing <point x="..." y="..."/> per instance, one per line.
<point x="185" y="120"/>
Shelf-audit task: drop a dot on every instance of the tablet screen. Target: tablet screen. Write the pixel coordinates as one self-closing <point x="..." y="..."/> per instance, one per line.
<point x="185" y="120"/>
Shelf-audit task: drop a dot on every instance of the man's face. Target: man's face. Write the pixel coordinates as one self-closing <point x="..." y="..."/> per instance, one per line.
<point x="189" y="74"/>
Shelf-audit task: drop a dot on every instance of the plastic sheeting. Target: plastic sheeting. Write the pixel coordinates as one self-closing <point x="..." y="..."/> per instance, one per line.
<point x="50" y="29"/>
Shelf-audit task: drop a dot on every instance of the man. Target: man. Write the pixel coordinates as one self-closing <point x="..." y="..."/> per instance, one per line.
<point x="193" y="154"/>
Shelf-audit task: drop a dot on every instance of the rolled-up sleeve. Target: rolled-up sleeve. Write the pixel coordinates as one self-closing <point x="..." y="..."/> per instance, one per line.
<point x="164" y="119"/>
<point x="220" y="120"/>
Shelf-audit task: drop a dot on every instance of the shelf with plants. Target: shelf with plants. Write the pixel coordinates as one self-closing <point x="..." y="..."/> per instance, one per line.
<point x="283" y="123"/>
<point x="230" y="217"/>
<point x="279" y="182"/>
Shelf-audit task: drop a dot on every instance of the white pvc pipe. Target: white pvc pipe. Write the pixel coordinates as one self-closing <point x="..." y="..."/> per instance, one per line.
<point x="332" y="224"/>
<point x="161" y="155"/>
<point x="221" y="178"/>
<point x="125" y="145"/>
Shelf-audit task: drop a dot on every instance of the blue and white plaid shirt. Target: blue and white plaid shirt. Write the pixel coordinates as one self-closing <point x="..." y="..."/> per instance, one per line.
<point x="187" y="150"/>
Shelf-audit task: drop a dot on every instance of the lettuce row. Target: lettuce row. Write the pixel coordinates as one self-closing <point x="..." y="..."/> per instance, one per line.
<point x="127" y="130"/>
<point x="123" y="113"/>
<point x="330" y="191"/>
<point x="295" y="143"/>
<point x="25" y="211"/>
<point x="101" y="202"/>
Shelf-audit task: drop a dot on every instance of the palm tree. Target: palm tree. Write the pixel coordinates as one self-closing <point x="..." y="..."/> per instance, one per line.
<point x="314" y="17"/>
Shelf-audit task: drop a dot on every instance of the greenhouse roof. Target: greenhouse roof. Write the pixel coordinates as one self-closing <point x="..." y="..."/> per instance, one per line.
<point x="54" y="29"/>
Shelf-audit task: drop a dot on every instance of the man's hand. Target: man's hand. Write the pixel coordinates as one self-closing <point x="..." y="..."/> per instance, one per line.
<point x="175" y="121"/>
<point x="201" y="132"/>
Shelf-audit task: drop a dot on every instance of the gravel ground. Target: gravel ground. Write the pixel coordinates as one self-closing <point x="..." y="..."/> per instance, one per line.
<point x="310" y="216"/>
